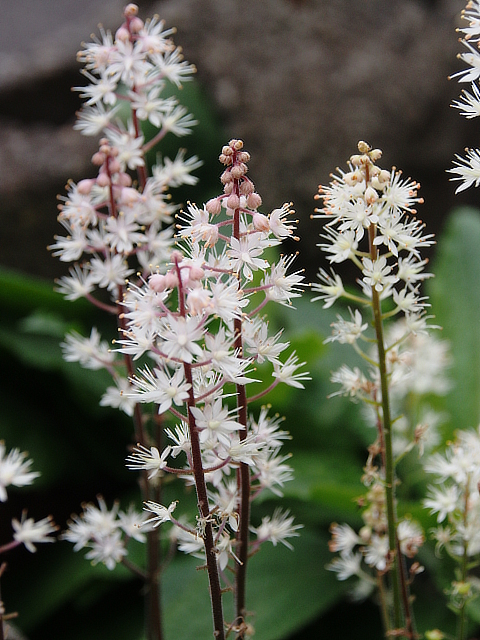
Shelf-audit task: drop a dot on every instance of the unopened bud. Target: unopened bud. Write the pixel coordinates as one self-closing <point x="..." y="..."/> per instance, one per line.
<point x="214" y="206"/>
<point x="157" y="282"/>
<point x="363" y="147"/>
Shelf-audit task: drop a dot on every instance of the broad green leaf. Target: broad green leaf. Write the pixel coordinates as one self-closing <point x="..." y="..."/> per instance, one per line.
<point x="286" y="590"/>
<point x="455" y="296"/>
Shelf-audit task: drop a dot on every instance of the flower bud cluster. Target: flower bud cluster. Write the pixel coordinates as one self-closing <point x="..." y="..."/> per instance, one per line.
<point x="115" y="225"/>
<point x="467" y="169"/>
<point x="200" y="326"/>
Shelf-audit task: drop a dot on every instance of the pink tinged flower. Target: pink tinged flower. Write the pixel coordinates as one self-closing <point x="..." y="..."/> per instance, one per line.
<point x="160" y="387"/>
<point x="213" y="421"/>
<point x="199" y="301"/>
<point x="30" y="533"/>
<point x="277" y="528"/>
<point x="161" y="514"/>
<point x="14" y="470"/>
<point x="146" y="459"/>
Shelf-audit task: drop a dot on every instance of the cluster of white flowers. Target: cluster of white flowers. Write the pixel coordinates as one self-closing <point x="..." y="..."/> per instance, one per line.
<point x="455" y="500"/>
<point x="199" y="323"/>
<point x="114" y="225"/>
<point x="15" y="471"/>
<point x="467" y="169"/>
<point x="106" y="533"/>
<point x="370" y="221"/>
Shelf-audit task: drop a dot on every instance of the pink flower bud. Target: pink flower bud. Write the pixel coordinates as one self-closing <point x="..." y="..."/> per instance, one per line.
<point x="122" y="34"/>
<point x="157" y="282"/>
<point x="253" y="201"/>
<point x="260" y="222"/>
<point x="136" y="25"/>
<point x="233" y="201"/>
<point x="85" y="186"/>
<point x="214" y="206"/>
<point x="176" y="256"/>
<point x="103" y="180"/>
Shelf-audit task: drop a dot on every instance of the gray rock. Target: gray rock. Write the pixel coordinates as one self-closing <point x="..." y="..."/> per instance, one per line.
<point x="301" y="81"/>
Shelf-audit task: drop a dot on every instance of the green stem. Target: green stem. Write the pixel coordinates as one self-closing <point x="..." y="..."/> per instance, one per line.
<point x="461" y="622"/>
<point x="388" y="454"/>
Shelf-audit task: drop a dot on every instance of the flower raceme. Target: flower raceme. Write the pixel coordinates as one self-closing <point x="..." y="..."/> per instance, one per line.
<point x="370" y="221"/>
<point x="466" y="170"/>
<point x="212" y="283"/>
<point x="199" y="322"/>
<point x="114" y="225"/>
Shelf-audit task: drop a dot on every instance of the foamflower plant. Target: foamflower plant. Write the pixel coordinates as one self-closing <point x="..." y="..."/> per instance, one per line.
<point x="201" y="326"/>
<point x="369" y="221"/>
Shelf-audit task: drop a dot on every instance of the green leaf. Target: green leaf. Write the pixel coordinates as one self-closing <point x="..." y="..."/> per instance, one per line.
<point x="455" y="296"/>
<point x="285" y="591"/>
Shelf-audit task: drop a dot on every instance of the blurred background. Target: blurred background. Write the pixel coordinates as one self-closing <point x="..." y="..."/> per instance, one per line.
<point x="300" y="81"/>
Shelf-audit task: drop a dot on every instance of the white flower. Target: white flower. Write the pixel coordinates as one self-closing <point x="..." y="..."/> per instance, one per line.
<point x="30" y="533"/>
<point x="287" y="372"/>
<point x="161" y="514"/>
<point x="148" y="459"/>
<point x="160" y="387"/>
<point x="91" y="353"/>
<point x="14" y="470"/>
<point x="467" y="170"/>
<point x="213" y="421"/>
<point x="244" y="253"/>
<point x="108" y="549"/>
<point x="277" y="528"/>
<point x="346" y="565"/>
